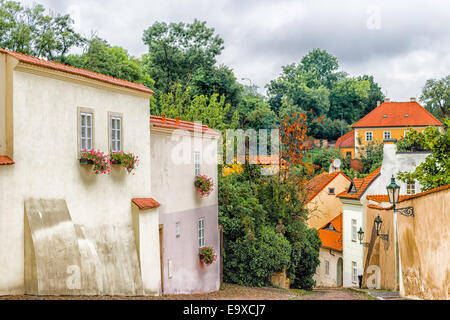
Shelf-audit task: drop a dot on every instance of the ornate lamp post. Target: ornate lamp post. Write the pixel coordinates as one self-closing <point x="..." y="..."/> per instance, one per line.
<point x="378" y="222"/>
<point x="361" y="237"/>
<point x="393" y="191"/>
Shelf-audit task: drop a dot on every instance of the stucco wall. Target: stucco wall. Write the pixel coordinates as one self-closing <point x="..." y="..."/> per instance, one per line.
<point x="424" y="243"/>
<point x="47" y="167"/>
<point x="173" y="187"/>
<point x="327" y="280"/>
<point x="2" y="103"/>
<point x="325" y="207"/>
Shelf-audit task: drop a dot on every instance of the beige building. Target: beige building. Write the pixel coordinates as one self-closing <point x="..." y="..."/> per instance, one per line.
<point x="422" y="266"/>
<point x="63" y="229"/>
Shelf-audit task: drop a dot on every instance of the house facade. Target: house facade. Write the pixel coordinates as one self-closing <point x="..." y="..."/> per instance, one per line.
<point x="63" y="229"/>
<point x="330" y="271"/>
<point x="388" y="122"/>
<point x="180" y="151"/>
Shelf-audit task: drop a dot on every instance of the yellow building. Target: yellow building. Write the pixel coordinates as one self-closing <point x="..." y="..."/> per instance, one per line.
<point x="387" y="123"/>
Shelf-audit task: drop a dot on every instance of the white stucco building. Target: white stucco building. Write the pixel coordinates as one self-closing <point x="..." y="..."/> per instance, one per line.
<point x="63" y="229"/>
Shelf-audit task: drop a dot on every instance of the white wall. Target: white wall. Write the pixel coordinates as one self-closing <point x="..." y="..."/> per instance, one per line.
<point x="45" y="152"/>
<point x="2" y="103"/>
<point x="352" y="250"/>
<point x="327" y="280"/>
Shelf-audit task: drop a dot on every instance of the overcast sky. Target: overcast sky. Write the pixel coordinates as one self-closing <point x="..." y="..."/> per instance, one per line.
<point x="400" y="43"/>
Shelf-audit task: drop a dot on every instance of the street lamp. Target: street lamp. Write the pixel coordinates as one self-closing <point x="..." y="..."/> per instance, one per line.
<point x="393" y="191"/>
<point x="378" y="222"/>
<point x="361" y="237"/>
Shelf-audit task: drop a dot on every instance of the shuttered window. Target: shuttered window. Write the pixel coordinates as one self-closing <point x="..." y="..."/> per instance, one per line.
<point x="85" y="131"/>
<point x="201" y="233"/>
<point x="116" y="133"/>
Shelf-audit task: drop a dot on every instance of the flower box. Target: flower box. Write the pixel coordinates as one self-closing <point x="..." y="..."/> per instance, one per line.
<point x="114" y="161"/>
<point x="86" y="161"/>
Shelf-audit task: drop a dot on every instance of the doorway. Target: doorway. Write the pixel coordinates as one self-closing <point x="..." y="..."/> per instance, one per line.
<point x="161" y="255"/>
<point x="339" y="272"/>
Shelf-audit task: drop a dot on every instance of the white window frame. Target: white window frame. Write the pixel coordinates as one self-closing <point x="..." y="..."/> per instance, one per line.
<point x="327" y="267"/>
<point x="384" y="135"/>
<point x="115" y="132"/>
<point x="85" y="141"/>
<point x="197" y="161"/>
<point x="201" y="232"/>
<point x="354" y="272"/>
<point x="371" y="135"/>
<point x="331" y="189"/>
<point x="354" y="230"/>
<point x="411" y="188"/>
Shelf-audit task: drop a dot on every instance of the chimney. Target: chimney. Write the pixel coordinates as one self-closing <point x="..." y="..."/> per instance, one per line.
<point x="378" y="103"/>
<point x="387" y="100"/>
<point x="413" y="99"/>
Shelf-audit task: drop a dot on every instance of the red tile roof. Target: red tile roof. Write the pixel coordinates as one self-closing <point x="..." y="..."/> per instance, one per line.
<point x="81" y="72"/>
<point x="346" y="141"/>
<point x="4" y="160"/>
<point x="360" y="185"/>
<point x="332" y="239"/>
<point x="319" y="182"/>
<point x="176" y="124"/>
<point x="380" y="198"/>
<point x="146" y="203"/>
<point x="398" y="114"/>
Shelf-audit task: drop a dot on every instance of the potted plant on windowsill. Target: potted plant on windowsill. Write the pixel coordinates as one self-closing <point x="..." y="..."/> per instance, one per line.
<point x="128" y="160"/>
<point x="204" y="185"/>
<point x="100" y="161"/>
<point x="207" y="255"/>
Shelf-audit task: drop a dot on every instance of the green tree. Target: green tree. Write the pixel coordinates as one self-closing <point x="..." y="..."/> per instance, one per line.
<point x="179" y="51"/>
<point x="435" y="170"/>
<point x="374" y="95"/>
<point x="31" y="31"/>
<point x="436" y="97"/>
<point x="114" y="61"/>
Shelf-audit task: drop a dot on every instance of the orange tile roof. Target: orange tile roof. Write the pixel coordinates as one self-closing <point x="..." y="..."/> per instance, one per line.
<point x="319" y="182"/>
<point x="380" y="198"/>
<point x="4" y="160"/>
<point x="73" y="70"/>
<point x="346" y="141"/>
<point x="176" y="124"/>
<point x="332" y="239"/>
<point x="146" y="203"/>
<point x="398" y="114"/>
<point x="360" y="185"/>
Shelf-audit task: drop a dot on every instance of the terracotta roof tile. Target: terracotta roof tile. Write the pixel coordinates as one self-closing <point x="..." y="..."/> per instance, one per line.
<point x="360" y="185"/>
<point x="319" y="182"/>
<point x="5" y="160"/>
<point x="146" y="203"/>
<point x="380" y="198"/>
<point x="346" y="141"/>
<point x="175" y="124"/>
<point x="332" y="239"/>
<point x="398" y="114"/>
<point x="81" y="72"/>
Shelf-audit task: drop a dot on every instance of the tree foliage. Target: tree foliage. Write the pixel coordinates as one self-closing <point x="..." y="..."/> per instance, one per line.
<point x="31" y="31"/>
<point x="436" y="97"/>
<point x="435" y="170"/>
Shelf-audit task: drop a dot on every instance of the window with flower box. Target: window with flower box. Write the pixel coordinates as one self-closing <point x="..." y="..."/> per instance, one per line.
<point x="115" y="132"/>
<point x="85" y="129"/>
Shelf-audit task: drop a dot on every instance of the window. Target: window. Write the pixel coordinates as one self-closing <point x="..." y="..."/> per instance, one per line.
<point x="348" y="154"/>
<point x="386" y="135"/>
<point x="369" y="136"/>
<point x="177" y="230"/>
<point x="327" y="267"/>
<point x="331" y="190"/>
<point x="115" y="128"/>
<point x="354" y="272"/>
<point x="201" y="232"/>
<point x="411" y="188"/>
<point x="354" y="230"/>
<point x="197" y="163"/>
<point x="85" y="129"/>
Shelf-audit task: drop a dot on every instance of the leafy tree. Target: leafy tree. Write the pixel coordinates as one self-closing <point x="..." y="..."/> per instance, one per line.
<point x="179" y="51"/>
<point x="374" y="95"/>
<point x="436" y="97"/>
<point x="31" y="31"/>
<point x="348" y="97"/>
<point x="329" y="129"/>
<point x="115" y="61"/>
<point x="324" y="158"/>
<point x="211" y="111"/>
<point x="372" y="157"/>
<point x="435" y="170"/>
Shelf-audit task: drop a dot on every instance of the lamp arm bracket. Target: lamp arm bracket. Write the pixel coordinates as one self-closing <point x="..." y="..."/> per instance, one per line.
<point x="408" y="211"/>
